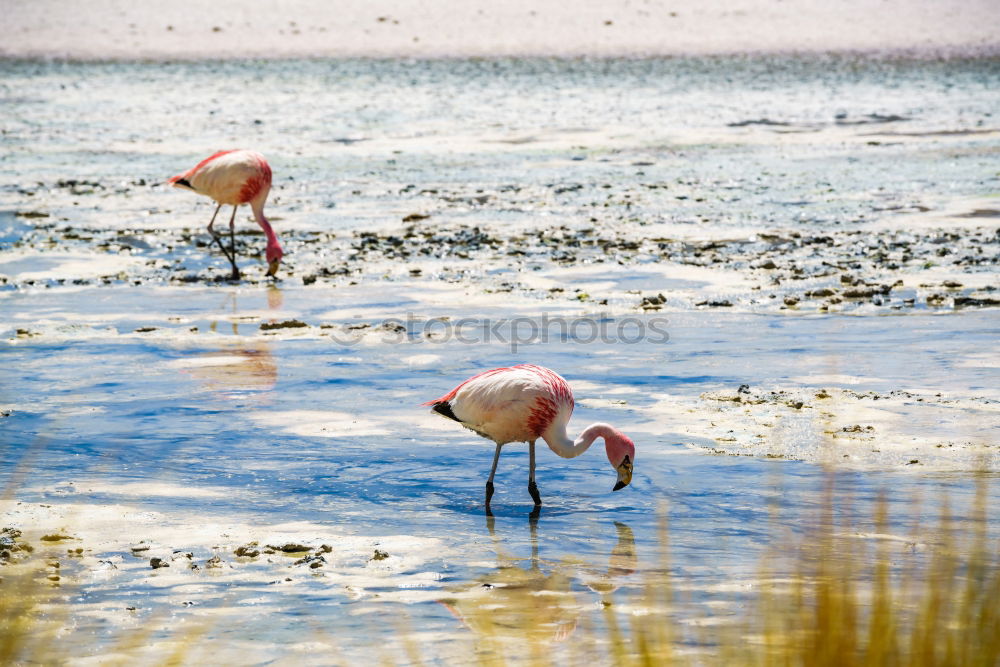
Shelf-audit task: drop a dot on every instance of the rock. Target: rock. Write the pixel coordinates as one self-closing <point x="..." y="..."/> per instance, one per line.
<point x="214" y="561"/>
<point x="822" y="292"/>
<point x="247" y="550"/>
<point x="791" y="300"/>
<point x="287" y="324"/>
<point x="965" y="301"/>
<point x="313" y="560"/>
<point x="157" y="563"/>
<point x="289" y="548"/>
<point x="55" y="537"/>
<point x="413" y="217"/>
<point x="652" y="302"/>
<point x="380" y="555"/>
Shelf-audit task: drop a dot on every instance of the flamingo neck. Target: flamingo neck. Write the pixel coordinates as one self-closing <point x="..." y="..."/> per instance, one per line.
<point x="272" y="238"/>
<point x="562" y="445"/>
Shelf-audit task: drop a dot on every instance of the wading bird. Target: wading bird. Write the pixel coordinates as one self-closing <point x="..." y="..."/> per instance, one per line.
<point x="235" y="177"/>
<point x="524" y="403"/>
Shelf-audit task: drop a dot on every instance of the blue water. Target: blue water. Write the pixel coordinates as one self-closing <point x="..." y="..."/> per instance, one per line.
<point x="118" y="408"/>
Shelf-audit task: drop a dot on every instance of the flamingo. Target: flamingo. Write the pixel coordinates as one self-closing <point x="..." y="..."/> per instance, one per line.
<point x="524" y="403"/>
<point x="235" y="177"/>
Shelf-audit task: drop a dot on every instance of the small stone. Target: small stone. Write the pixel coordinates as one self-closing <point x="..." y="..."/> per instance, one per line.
<point x="380" y="555"/>
<point x="247" y="551"/>
<point x="157" y="563"/>
<point x="287" y="324"/>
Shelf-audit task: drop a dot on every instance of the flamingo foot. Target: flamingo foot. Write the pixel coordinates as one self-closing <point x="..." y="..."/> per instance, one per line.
<point x="489" y="494"/>
<point x="533" y="490"/>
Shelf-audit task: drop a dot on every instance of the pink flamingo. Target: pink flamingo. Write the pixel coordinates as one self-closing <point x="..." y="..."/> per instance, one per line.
<point x="522" y="404"/>
<point x="235" y="177"/>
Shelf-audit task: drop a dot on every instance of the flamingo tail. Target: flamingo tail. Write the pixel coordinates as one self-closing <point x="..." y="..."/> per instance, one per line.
<point x="444" y="409"/>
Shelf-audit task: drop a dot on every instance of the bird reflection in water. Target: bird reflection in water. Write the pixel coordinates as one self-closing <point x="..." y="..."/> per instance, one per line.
<point x="523" y="609"/>
<point x="243" y="365"/>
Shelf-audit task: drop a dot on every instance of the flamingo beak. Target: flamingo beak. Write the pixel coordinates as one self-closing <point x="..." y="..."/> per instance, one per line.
<point x="624" y="474"/>
<point x="272" y="269"/>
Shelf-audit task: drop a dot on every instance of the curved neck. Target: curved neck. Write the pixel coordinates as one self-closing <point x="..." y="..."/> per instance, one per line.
<point x="561" y="444"/>
<point x="258" y="214"/>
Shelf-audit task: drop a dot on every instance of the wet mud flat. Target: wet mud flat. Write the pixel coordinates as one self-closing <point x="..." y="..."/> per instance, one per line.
<point x="934" y="269"/>
<point x="794" y="274"/>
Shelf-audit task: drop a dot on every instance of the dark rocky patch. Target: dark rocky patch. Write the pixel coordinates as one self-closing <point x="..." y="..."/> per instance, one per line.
<point x="286" y="324"/>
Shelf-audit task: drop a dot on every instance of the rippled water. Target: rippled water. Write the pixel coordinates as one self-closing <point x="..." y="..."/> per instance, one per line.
<point x="315" y="434"/>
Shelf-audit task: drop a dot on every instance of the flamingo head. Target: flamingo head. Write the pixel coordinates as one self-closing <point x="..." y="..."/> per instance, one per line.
<point x="273" y="253"/>
<point x="621" y="454"/>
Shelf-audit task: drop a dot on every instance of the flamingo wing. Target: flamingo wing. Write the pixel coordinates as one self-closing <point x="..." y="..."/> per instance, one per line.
<point x="229" y="177"/>
<point x="515" y="404"/>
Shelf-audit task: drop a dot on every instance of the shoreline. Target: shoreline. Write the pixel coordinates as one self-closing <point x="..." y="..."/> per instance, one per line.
<point x="477" y="29"/>
<point x="902" y="55"/>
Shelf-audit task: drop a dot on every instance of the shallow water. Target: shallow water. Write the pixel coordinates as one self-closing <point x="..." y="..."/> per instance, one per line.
<point x="139" y="407"/>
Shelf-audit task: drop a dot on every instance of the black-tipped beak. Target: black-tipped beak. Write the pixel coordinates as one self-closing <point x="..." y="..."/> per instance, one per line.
<point x="624" y="474"/>
<point x="272" y="269"/>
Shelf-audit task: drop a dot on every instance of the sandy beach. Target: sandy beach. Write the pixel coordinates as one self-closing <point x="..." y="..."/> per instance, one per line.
<point x="437" y="28"/>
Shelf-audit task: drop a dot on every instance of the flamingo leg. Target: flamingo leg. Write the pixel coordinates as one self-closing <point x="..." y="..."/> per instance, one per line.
<point x="532" y="487"/>
<point x="218" y="241"/>
<point x="215" y="237"/>
<point x="212" y="221"/>
<point x="489" y="482"/>
<point x="232" y="244"/>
